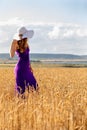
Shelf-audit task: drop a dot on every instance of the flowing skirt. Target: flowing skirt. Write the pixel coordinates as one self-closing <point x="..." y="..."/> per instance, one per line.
<point x="24" y="78"/>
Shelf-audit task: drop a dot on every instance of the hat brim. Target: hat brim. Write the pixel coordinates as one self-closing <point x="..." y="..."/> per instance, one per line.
<point x="29" y="34"/>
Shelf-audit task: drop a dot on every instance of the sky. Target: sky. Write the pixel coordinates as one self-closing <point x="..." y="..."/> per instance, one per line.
<point x="60" y="26"/>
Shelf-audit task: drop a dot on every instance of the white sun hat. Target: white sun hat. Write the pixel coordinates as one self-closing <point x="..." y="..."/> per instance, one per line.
<point x="24" y="32"/>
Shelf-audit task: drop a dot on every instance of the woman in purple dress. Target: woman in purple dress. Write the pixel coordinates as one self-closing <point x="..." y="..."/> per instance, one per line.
<point x="23" y="71"/>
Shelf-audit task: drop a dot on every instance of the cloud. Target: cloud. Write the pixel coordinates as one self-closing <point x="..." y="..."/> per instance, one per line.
<point x="3" y="36"/>
<point x="48" y="37"/>
<point x="67" y="31"/>
<point x="55" y="33"/>
<point x="81" y="32"/>
<point x="13" y="21"/>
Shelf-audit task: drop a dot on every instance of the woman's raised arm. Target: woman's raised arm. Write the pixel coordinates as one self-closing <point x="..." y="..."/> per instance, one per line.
<point x="13" y="48"/>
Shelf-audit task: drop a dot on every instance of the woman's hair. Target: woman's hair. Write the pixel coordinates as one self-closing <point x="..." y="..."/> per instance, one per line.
<point x="22" y="44"/>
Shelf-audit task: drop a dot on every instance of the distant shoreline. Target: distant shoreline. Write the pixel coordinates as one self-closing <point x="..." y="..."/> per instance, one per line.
<point x="48" y="65"/>
<point x="48" y="60"/>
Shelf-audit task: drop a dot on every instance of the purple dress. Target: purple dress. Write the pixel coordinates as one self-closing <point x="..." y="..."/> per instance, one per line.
<point x="23" y="74"/>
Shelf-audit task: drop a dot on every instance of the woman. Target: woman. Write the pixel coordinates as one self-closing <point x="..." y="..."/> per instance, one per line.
<point x="23" y="71"/>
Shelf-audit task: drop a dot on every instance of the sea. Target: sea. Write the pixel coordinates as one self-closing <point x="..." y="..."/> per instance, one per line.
<point x="56" y="59"/>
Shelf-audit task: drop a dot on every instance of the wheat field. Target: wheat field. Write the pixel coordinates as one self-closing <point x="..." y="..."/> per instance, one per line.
<point x="61" y="103"/>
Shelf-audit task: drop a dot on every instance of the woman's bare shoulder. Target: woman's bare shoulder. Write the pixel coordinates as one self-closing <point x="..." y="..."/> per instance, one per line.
<point x="26" y="45"/>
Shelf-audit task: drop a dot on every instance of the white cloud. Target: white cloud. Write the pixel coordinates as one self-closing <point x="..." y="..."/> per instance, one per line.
<point x="3" y="36"/>
<point x="54" y="34"/>
<point x="67" y="31"/>
<point x="48" y="37"/>
<point x="12" y="21"/>
<point x="81" y="32"/>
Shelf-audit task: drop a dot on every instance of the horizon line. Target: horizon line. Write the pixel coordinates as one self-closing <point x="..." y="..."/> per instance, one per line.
<point x="51" y="53"/>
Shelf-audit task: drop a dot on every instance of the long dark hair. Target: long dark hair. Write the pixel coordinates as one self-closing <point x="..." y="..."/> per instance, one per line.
<point x="22" y="44"/>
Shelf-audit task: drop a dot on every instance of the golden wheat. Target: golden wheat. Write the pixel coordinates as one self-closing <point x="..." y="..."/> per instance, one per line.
<point x="60" y="105"/>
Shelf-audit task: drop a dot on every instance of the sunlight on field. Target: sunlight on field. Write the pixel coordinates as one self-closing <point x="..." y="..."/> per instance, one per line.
<point x="60" y="105"/>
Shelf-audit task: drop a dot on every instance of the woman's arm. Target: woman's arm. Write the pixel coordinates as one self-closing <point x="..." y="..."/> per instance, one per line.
<point x="13" y="48"/>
